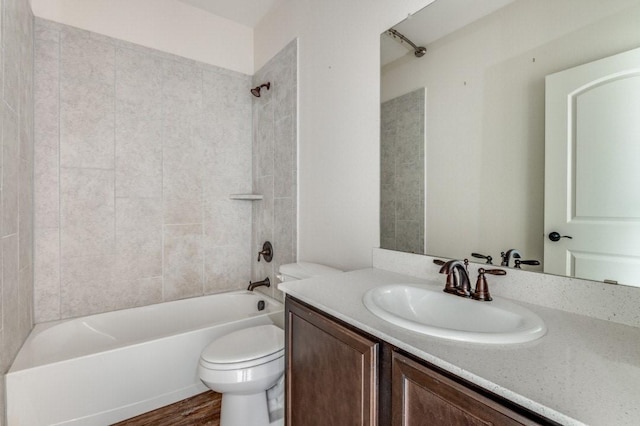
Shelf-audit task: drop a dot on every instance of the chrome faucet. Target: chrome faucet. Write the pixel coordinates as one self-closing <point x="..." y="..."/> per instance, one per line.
<point x="506" y="257"/>
<point x="255" y="284"/>
<point x="457" y="278"/>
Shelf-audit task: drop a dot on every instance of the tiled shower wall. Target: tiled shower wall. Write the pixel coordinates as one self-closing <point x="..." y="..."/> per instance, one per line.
<point x="402" y="173"/>
<point x="136" y="154"/>
<point x="16" y="214"/>
<point x="275" y="164"/>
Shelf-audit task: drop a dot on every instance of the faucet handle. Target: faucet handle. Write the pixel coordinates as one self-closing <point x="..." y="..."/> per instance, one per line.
<point x="439" y="262"/>
<point x="482" y="287"/>
<point x="525" y="262"/>
<point x="488" y="258"/>
<point x="266" y="253"/>
<point x="494" y="271"/>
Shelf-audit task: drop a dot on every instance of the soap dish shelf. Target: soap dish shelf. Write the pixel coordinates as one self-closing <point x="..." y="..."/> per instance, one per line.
<point x="246" y="197"/>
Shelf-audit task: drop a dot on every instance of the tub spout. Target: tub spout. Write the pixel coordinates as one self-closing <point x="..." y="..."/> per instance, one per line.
<point x="255" y="284"/>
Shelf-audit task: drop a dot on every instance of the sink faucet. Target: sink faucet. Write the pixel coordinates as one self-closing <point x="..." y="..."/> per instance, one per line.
<point x="457" y="284"/>
<point x="506" y="257"/>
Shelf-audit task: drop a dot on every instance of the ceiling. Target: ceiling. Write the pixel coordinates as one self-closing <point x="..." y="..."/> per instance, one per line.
<point x="244" y="12"/>
<point x="433" y="22"/>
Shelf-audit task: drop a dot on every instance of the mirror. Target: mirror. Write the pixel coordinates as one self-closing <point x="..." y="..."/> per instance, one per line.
<point x="483" y="78"/>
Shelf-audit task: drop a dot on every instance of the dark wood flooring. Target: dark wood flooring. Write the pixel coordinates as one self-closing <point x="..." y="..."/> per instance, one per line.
<point x="199" y="410"/>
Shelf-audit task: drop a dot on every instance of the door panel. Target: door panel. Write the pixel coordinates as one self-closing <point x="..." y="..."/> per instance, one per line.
<point x="592" y="173"/>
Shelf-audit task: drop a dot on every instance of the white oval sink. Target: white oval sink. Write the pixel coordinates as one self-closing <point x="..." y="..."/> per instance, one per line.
<point x="439" y="314"/>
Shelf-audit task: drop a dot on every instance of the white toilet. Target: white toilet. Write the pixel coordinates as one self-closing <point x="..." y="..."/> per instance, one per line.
<point x="244" y="364"/>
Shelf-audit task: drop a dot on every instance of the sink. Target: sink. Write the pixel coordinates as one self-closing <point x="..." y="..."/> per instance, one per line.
<point x="447" y="316"/>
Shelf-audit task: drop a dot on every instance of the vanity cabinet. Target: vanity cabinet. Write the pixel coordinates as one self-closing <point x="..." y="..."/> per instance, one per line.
<point x="338" y="375"/>
<point x="331" y="371"/>
<point x="422" y="396"/>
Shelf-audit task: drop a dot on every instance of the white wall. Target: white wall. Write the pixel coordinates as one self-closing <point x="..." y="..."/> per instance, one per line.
<point x="166" y="25"/>
<point x="339" y="119"/>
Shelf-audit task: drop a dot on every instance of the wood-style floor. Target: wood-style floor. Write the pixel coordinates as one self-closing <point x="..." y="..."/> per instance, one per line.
<point x="199" y="410"/>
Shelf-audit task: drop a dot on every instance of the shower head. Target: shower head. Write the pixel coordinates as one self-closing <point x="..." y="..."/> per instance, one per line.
<point x="418" y="51"/>
<point x="256" y="90"/>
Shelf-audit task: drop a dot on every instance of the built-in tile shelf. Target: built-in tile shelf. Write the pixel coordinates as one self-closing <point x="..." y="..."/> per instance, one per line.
<point x="247" y="197"/>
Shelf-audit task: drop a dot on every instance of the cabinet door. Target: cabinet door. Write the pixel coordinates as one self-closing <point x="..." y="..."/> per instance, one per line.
<point x="331" y="371"/>
<point x="421" y="396"/>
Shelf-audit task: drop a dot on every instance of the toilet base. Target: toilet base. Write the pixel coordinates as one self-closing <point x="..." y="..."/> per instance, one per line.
<point x="244" y="410"/>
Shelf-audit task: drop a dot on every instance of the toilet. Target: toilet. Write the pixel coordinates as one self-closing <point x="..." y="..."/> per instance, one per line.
<point x="247" y="365"/>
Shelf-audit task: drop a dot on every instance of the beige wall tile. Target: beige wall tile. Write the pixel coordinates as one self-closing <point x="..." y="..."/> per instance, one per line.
<point x="87" y="212"/>
<point x="138" y="85"/>
<point x="10" y="171"/>
<point x="138" y="238"/>
<point x="86" y="286"/>
<point x="86" y="123"/>
<point x="181" y="90"/>
<point x="17" y="109"/>
<point x="138" y="157"/>
<point x="85" y="57"/>
<point x="226" y="268"/>
<point x="183" y="261"/>
<point x="25" y="214"/>
<point x="13" y="337"/>
<point x="47" y="274"/>
<point x="182" y="175"/>
<point x="46" y="128"/>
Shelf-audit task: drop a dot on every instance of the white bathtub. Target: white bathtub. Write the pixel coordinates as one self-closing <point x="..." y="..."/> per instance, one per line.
<point x="104" y="368"/>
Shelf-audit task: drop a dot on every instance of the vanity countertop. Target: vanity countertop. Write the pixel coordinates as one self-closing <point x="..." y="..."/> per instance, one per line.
<point x="583" y="371"/>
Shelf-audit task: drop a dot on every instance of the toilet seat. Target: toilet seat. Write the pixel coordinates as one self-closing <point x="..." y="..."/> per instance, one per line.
<point x="248" y="347"/>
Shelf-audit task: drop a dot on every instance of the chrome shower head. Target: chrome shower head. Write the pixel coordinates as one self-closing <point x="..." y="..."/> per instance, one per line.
<point x="256" y="90"/>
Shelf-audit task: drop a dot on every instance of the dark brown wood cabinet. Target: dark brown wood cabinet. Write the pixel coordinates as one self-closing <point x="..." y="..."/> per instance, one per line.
<point x="422" y="396"/>
<point x="331" y="371"/>
<point x="338" y="375"/>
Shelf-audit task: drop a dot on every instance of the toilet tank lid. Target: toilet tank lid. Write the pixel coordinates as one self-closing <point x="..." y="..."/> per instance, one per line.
<point x="302" y="270"/>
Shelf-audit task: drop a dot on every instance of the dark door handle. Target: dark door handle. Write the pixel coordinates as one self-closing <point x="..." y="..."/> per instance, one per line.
<point x="554" y="236"/>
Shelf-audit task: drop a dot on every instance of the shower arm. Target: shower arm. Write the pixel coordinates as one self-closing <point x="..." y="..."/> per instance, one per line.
<point x="417" y="50"/>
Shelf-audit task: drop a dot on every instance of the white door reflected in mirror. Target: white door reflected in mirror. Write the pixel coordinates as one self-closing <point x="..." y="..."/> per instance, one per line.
<point x="592" y="170"/>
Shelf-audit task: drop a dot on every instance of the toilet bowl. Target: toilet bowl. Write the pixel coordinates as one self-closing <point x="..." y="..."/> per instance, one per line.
<point x="247" y="365"/>
<point x="242" y="365"/>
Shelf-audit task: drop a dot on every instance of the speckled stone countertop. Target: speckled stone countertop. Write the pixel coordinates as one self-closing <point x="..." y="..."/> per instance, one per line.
<point x="583" y="371"/>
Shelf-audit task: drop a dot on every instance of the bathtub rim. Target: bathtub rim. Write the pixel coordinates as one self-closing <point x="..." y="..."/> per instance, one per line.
<point x="19" y="364"/>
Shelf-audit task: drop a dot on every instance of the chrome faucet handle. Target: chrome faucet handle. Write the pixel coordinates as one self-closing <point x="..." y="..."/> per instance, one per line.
<point x="482" y="287"/>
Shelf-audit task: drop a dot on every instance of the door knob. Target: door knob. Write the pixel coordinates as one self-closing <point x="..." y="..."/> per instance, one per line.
<point x="554" y="236"/>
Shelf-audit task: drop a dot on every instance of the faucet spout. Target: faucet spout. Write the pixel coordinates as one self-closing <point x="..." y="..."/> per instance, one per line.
<point x="266" y="282"/>
<point x="457" y="278"/>
<point x="506" y="256"/>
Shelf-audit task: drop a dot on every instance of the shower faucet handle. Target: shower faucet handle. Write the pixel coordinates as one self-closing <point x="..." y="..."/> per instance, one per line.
<point x="266" y="253"/>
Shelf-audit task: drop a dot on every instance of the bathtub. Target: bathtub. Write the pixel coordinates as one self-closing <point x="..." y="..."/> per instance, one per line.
<point x="104" y="368"/>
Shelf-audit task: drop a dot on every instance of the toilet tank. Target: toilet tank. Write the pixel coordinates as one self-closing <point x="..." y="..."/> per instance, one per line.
<point x="302" y="270"/>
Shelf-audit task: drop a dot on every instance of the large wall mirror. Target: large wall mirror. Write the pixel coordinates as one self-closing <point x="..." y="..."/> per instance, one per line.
<point x="464" y="127"/>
